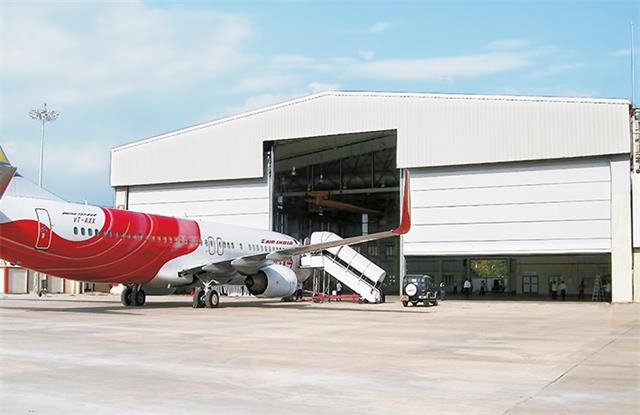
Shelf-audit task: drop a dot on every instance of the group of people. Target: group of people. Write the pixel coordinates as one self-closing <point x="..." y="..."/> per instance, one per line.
<point x="467" y="287"/>
<point x="554" y="287"/>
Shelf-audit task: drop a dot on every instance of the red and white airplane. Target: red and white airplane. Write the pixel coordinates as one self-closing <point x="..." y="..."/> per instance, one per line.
<point x="150" y="254"/>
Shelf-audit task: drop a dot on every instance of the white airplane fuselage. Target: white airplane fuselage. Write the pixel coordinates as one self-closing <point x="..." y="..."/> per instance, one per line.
<point x="89" y="243"/>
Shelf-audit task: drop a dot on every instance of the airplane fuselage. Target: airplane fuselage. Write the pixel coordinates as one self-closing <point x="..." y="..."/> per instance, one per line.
<point x="89" y="243"/>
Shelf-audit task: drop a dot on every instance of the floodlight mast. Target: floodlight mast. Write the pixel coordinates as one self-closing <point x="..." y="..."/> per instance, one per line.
<point x="43" y="115"/>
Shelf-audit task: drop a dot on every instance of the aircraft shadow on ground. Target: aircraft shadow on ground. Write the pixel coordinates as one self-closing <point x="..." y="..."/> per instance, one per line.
<point x="113" y="307"/>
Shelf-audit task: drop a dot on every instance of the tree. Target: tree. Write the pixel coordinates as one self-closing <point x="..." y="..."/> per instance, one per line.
<point x="489" y="268"/>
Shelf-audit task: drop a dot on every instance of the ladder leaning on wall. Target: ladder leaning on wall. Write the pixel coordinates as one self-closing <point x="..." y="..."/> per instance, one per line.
<point x="598" y="294"/>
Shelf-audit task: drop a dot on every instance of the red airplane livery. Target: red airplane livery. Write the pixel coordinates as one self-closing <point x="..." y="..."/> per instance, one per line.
<point x="150" y="254"/>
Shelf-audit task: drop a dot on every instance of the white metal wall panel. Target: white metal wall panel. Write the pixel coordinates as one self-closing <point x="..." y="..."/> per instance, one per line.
<point x="635" y="205"/>
<point x="433" y="130"/>
<point x="544" y="207"/>
<point x="237" y="202"/>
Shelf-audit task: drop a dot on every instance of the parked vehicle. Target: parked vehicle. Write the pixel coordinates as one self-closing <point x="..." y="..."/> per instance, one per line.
<point x="419" y="289"/>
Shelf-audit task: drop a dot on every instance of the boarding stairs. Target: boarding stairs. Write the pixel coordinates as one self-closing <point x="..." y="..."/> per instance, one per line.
<point x="347" y="266"/>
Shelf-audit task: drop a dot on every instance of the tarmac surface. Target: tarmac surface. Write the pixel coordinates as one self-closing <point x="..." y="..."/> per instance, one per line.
<point x="88" y="354"/>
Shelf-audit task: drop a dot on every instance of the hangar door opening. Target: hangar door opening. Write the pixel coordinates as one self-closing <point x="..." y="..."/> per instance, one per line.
<point x="347" y="184"/>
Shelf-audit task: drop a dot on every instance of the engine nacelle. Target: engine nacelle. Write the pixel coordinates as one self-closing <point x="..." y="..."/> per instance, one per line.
<point x="272" y="281"/>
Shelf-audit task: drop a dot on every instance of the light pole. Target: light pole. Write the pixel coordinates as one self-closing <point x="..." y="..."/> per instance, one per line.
<point x="43" y="115"/>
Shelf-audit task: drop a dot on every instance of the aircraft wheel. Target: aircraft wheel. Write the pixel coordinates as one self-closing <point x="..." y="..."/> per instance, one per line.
<point x="211" y="299"/>
<point x="198" y="298"/>
<point x="125" y="297"/>
<point x="141" y="298"/>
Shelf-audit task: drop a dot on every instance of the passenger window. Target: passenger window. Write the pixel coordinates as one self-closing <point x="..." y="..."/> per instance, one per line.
<point x="95" y="231"/>
<point x="75" y="230"/>
<point x="109" y="234"/>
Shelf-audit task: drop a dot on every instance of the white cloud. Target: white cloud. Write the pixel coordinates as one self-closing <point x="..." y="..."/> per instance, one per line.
<point x="380" y="27"/>
<point x="367" y="54"/>
<point x="125" y="47"/>
<point x="444" y="68"/>
<point x="60" y="159"/>
<point x="554" y="69"/>
<point x="281" y="62"/>
<point x="266" y="82"/>
<point x="509" y="44"/>
<point x="621" y="53"/>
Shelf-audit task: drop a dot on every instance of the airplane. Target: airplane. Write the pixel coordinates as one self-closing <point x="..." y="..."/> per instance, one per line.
<point x="151" y="254"/>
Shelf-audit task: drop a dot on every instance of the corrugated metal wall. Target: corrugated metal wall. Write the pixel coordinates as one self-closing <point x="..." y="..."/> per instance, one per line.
<point x="545" y="207"/>
<point x="635" y="204"/>
<point x="237" y="202"/>
<point x="433" y="130"/>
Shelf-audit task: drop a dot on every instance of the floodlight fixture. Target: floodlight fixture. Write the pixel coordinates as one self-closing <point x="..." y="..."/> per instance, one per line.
<point x="43" y="115"/>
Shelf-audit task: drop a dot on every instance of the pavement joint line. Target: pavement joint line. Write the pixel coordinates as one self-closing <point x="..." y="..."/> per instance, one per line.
<point x="566" y="372"/>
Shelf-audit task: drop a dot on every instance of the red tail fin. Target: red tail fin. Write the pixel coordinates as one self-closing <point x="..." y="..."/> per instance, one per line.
<point x="405" y="217"/>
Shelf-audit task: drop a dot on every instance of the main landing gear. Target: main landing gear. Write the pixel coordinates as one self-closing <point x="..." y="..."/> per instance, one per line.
<point x="206" y="297"/>
<point x="133" y="296"/>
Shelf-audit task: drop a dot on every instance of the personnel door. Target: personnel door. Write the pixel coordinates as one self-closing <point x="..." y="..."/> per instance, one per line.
<point x="44" y="229"/>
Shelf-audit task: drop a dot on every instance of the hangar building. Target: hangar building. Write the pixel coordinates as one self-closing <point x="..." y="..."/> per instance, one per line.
<point x="519" y="191"/>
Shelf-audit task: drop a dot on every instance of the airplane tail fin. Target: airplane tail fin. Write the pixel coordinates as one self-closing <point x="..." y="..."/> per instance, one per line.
<point x="7" y="171"/>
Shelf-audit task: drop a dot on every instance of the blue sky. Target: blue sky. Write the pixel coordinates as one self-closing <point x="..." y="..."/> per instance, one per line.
<point x="122" y="71"/>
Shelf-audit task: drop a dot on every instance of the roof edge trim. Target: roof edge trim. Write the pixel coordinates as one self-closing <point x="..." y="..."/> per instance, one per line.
<point x="306" y="98"/>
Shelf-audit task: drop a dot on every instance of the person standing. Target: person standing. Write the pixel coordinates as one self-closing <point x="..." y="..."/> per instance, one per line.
<point x="299" y="291"/>
<point x="339" y="290"/>
<point x="581" y="292"/>
<point x="607" y="291"/>
<point x="554" y="290"/>
<point x="442" y="292"/>
<point x="563" y="290"/>
<point x="483" y="288"/>
<point x="467" y="288"/>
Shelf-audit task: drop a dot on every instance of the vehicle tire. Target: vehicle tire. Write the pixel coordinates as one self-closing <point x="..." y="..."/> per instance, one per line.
<point x="211" y="299"/>
<point x="141" y="298"/>
<point x="198" y="298"/>
<point x="415" y="303"/>
<point x="405" y="303"/>
<point x="434" y="302"/>
<point x="125" y="297"/>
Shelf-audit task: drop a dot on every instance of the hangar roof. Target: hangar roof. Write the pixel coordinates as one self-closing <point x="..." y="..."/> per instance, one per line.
<point x="432" y="130"/>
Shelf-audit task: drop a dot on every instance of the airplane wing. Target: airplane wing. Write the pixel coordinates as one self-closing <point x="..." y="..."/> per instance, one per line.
<point x="250" y="264"/>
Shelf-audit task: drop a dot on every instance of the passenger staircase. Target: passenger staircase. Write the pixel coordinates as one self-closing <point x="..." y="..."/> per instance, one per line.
<point x="347" y="266"/>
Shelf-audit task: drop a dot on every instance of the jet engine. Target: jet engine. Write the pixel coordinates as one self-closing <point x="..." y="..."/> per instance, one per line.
<point x="272" y="281"/>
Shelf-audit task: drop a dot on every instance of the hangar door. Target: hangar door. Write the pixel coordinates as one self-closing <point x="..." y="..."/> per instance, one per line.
<point x="235" y="202"/>
<point x="533" y="208"/>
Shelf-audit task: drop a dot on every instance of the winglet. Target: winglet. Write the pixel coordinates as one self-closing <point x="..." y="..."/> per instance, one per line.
<point x="405" y="222"/>
<point x="7" y="172"/>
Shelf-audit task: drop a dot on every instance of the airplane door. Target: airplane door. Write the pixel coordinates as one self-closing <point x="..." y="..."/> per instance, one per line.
<point x="44" y="229"/>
